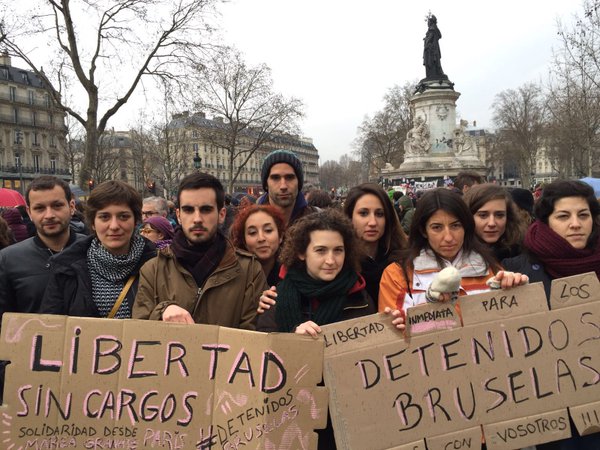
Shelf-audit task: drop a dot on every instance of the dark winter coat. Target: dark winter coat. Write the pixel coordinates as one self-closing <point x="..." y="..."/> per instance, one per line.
<point x="15" y="222"/>
<point x="69" y="290"/>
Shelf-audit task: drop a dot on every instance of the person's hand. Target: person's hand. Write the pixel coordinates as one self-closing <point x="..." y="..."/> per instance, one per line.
<point x="399" y="317"/>
<point x="445" y="286"/>
<point x="309" y="327"/>
<point x="176" y="314"/>
<point x="506" y="280"/>
<point x="267" y="299"/>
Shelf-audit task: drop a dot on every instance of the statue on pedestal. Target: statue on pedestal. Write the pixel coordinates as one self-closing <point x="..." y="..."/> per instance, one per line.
<point x="431" y="53"/>
<point x="417" y="139"/>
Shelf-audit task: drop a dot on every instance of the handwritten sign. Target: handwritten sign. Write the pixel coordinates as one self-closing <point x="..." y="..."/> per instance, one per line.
<point x="99" y="383"/>
<point x="514" y="367"/>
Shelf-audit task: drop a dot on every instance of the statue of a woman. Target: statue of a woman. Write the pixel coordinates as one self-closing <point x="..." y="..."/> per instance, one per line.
<point x="431" y="52"/>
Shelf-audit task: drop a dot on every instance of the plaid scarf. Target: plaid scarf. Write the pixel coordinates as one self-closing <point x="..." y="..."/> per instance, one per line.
<point x="201" y="259"/>
<point x="109" y="273"/>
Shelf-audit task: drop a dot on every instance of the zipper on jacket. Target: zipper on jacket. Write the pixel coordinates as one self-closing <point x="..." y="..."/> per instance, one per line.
<point x="198" y="295"/>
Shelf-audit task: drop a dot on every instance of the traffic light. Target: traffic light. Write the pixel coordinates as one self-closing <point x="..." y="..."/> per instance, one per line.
<point x="91" y="184"/>
<point x="151" y="187"/>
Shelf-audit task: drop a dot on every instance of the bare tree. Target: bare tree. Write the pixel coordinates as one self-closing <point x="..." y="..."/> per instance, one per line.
<point x="519" y="116"/>
<point x="95" y="45"/>
<point x="169" y="152"/>
<point x="253" y="114"/>
<point x="380" y="138"/>
<point x="73" y="148"/>
<point x="331" y="175"/>
<point x="574" y="97"/>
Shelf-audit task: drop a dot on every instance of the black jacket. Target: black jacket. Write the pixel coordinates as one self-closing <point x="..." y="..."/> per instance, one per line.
<point x="69" y="290"/>
<point x="25" y="269"/>
<point x="529" y="265"/>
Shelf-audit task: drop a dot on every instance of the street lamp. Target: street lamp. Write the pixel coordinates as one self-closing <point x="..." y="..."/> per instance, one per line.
<point x="19" y="136"/>
<point x="197" y="161"/>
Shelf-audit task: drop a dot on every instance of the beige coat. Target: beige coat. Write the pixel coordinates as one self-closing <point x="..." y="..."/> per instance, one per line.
<point x="228" y="298"/>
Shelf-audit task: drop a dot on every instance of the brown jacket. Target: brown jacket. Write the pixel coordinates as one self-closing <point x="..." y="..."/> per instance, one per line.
<point x="228" y="298"/>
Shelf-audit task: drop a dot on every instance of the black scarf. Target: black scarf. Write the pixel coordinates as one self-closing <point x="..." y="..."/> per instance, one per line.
<point x="372" y="270"/>
<point x="200" y="259"/>
<point x="331" y="296"/>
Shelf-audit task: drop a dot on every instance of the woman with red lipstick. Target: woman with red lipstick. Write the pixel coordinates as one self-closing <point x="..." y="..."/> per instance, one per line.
<point x="497" y="223"/>
<point x="98" y="276"/>
<point x="442" y="235"/>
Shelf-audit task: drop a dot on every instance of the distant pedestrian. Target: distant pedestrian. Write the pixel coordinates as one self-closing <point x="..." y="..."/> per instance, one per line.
<point x="15" y="222"/>
<point x="158" y="230"/>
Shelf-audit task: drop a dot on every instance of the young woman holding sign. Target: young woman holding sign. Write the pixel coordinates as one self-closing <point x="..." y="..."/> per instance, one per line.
<point x="97" y="276"/>
<point x="563" y="241"/>
<point x="320" y="282"/>
<point x="442" y="235"/>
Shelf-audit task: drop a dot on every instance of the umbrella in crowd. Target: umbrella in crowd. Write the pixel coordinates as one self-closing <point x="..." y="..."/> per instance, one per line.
<point x="594" y="183"/>
<point x="10" y="198"/>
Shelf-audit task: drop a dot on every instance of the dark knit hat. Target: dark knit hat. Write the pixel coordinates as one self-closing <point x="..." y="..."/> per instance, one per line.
<point x="523" y="199"/>
<point x="282" y="156"/>
<point x="162" y="225"/>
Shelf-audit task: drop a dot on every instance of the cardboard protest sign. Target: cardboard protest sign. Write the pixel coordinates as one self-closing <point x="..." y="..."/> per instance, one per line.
<point x="514" y="369"/>
<point x="99" y="383"/>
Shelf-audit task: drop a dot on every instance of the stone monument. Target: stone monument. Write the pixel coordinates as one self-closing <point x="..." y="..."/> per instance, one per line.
<point x="436" y="146"/>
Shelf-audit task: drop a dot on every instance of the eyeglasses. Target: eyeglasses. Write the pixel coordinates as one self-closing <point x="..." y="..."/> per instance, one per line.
<point x="147" y="230"/>
<point x="149" y="213"/>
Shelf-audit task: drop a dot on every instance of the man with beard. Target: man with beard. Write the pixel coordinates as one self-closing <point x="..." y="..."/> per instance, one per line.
<point x="25" y="266"/>
<point x="200" y="277"/>
<point x="282" y="179"/>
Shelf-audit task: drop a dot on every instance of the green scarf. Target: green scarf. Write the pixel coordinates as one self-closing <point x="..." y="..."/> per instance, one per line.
<point x="297" y="285"/>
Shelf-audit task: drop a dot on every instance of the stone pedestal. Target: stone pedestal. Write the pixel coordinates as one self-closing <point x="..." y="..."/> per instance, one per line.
<point x="436" y="147"/>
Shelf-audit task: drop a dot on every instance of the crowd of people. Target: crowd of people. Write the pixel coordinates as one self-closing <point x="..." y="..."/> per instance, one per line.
<point x="282" y="263"/>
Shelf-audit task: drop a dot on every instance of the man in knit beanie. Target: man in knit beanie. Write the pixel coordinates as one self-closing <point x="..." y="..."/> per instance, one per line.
<point x="282" y="179"/>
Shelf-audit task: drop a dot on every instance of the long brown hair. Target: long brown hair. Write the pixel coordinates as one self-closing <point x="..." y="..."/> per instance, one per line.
<point x="394" y="239"/>
<point x="452" y="203"/>
<point x="480" y="194"/>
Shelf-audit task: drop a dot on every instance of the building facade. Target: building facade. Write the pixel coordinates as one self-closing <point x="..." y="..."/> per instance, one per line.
<point x="32" y="129"/>
<point x="193" y="135"/>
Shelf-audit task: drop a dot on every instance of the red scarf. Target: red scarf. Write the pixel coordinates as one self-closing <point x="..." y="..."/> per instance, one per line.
<point x="559" y="258"/>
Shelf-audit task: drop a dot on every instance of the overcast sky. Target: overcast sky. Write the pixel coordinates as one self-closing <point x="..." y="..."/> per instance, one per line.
<point x="340" y="56"/>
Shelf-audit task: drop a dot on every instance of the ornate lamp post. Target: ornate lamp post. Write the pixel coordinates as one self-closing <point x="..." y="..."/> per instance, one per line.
<point x="197" y="162"/>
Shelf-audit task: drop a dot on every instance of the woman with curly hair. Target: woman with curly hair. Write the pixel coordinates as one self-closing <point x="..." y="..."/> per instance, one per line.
<point x="497" y="223"/>
<point x="321" y="282"/>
